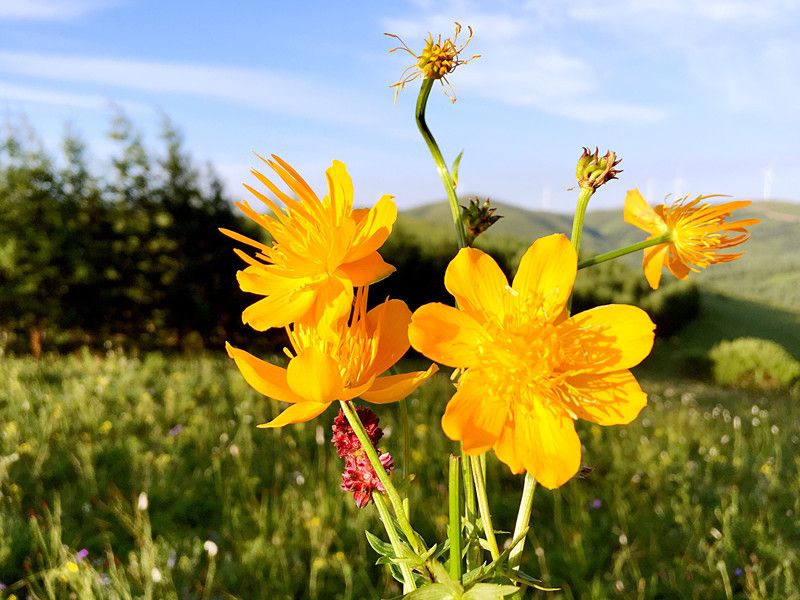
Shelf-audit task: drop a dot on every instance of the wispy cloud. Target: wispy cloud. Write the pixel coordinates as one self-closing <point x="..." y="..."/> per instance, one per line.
<point x="11" y="92"/>
<point x="273" y="91"/>
<point x="51" y="10"/>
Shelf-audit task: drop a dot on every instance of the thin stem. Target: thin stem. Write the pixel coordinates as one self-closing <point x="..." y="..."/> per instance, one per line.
<point x="580" y="213"/>
<point x="483" y="505"/>
<point x="454" y="525"/>
<point x="601" y="258"/>
<point x="444" y="172"/>
<point x="470" y="510"/>
<point x="523" y="520"/>
<point x="380" y="471"/>
<point x="394" y="539"/>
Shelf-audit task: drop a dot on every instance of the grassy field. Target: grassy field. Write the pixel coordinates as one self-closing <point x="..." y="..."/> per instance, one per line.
<point x="696" y="499"/>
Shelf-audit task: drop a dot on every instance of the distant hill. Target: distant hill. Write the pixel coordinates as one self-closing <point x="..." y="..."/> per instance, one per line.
<point x="769" y="273"/>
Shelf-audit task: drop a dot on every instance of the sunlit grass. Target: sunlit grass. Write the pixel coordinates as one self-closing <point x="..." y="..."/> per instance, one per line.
<point x="696" y="499"/>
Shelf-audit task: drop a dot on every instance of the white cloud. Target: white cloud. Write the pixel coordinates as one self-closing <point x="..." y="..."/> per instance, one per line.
<point x="10" y="92"/>
<point x="273" y="91"/>
<point x="51" y="10"/>
<point x="687" y="12"/>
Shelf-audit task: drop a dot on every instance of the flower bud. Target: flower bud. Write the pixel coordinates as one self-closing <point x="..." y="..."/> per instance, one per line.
<point x="478" y="218"/>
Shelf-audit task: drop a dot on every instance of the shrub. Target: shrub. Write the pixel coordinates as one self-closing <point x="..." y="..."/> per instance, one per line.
<point x="753" y="363"/>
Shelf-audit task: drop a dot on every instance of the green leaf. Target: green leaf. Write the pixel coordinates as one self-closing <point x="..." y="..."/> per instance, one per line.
<point x="489" y="591"/>
<point x="435" y="591"/>
<point x="454" y="169"/>
<point x="381" y="547"/>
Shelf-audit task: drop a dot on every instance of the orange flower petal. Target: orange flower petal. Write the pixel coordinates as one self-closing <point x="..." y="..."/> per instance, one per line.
<point x="332" y="303"/>
<point x="547" y="444"/>
<point x="546" y="275"/>
<point x="446" y="335"/>
<point x="340" y="188"/>
<point x="297" y="413"/>
<point x="606" y="338"/>
<point x="396" y="387"/>
<point x="314" y="376"/>
<point x="652" y="262"/>
<point x="278" y="310"/>
<point x="640" y="214"/>
<point x="368" y="270"/>
<point x="354" y="392"/>
<point x="389" y="321"/>
<point x="373" y="229"/>
<point x="677" y="267"/>
<point x="264" y="377"/>
<point x="506" y="450"/>
<point x="477" y="283"/>
<point x="608" y="399"/>
<point x="475" y="417"/>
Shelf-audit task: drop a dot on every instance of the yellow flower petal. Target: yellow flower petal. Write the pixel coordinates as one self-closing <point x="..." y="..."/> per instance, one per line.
<point x="608" y="399"/>
<point x="606" y="338"/>
<point x="477" y="283"/>
<point x="264" y="377"/>
<point x="506" y="450"/>
<point x="546" y="275"/>
<point x="547" y="444"/>
<point x="340" y="188"/>
<point x="396" y="387"/>
<point x="366" y="271"/>
<point x="373" y="228"/>
<point x="640" y="214"/>
<point x="653" y="262"/>
<point x="297" y="413"/>
<point x="677" y="267"/>
<point x="278" y="310"/>
<point x="446" y="335"/>
<point x="314" y="376"/>
<point x="389" y="322"/>
<point x="475" y="417"/>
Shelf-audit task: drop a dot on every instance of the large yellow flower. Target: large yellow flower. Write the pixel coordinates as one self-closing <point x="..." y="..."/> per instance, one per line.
<point x="698" y="231"/>
<point x="346" y="365"/>
<point x="320" y="249"/>
<point x="529" y="370"/>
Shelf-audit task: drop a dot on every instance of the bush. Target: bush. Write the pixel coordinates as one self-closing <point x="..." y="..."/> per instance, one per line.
<point x="754" y="363"/>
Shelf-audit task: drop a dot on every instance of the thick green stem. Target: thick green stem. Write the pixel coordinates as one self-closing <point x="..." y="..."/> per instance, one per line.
<point x="444" y="172"/>
<point x="380" y="471"/>
<point x="394" y="539"/>
<point x="523" y="520"/>
<point x="454" y="525"/>
<point x="483" y="505"/>
<point x="470" y="510"/>
<point x="601" y="258"/>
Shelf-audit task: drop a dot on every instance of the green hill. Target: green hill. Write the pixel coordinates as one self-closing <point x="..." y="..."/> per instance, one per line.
<point x="769" y="273"/>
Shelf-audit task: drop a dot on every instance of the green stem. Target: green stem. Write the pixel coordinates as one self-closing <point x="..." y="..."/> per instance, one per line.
<point x="454" y="526"/>
<point x="483" y="505"/>
<point x="580" y="213"/>
<point x="444" y="172"/>
<point x="394" y="539"/>
<point x="470" y="510"/>
<point x="380" y="471"/>
<point x="601" y="258"/>
<point x="523" y="520"/>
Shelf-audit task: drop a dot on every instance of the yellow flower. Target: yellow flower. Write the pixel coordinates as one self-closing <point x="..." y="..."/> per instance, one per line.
<point x="527" y="369"/>
<point x="346" y="365"/>
<point x="699" y="232"/>
<point x="437" y="59"/>
<point x="320" y="249"/>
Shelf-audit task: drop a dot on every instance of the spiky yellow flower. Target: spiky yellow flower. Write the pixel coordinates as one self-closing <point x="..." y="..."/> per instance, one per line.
<point x="324" y="368"/>
<point x="438" y="59"/>
<point x="698" y="232"/>
<point x="527" y="369"/>
<point x="320" y="249"/>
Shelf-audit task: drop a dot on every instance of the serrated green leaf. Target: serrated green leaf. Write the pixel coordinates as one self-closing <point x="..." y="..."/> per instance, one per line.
<point x="489" y="591"/>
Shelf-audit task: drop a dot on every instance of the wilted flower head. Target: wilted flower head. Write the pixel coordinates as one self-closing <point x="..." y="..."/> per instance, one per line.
<point x="358" y="476"/>
<point x="438" y="58"/>
<point x="698" y="232"/>
<point x="594" y="170"/>
<point x="478" y="217"/>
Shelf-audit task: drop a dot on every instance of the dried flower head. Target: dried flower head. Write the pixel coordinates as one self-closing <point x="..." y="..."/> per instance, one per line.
<point x="358" y="476"/>
<point x="438" y="59"/>
<point x="594" y="170"/>
<point x="478" y="217"/>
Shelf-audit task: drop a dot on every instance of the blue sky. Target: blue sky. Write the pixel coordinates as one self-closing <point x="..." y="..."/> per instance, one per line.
<point x="697" y="97"/>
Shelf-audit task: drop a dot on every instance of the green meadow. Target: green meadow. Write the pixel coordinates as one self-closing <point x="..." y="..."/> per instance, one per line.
<point x="117" y="470"/>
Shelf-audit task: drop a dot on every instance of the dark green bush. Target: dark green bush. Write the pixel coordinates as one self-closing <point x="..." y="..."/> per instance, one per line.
<point x="754" y="363"/>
